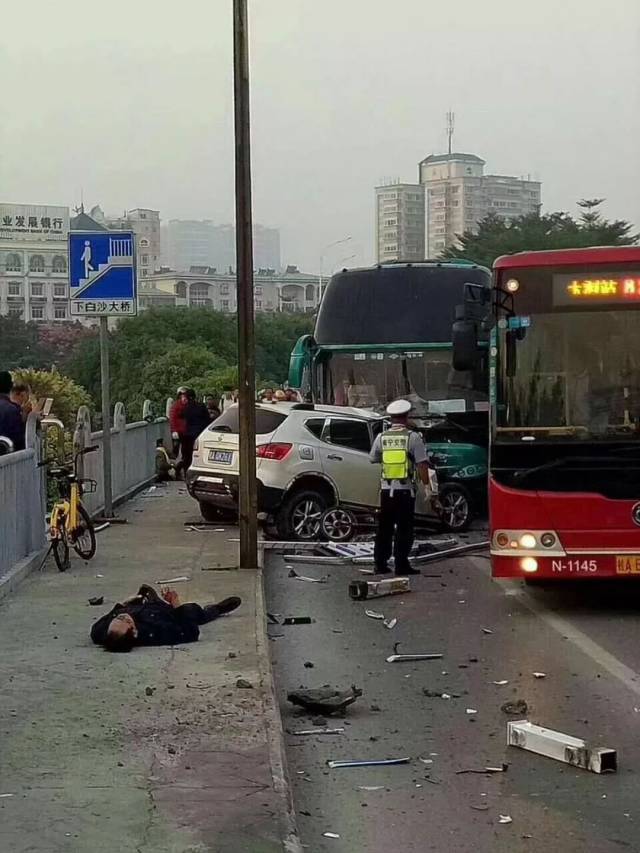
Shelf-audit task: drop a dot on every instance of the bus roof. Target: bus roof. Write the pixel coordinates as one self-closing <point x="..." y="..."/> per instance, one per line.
<point x="399" y="303"/>
<point x="570" y="257"/>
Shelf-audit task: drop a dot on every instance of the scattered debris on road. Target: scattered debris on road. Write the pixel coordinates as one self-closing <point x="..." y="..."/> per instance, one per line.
<point x="517" y="707"/>
<point x="149" y="691"/>
<point x="400" y="658"/>
<point x="308" y="664"/>
<point x="484" y="770"/>
<point x="298" y="620"/>
<point x="96" y="601"/>
<point x="293" y="574"/>
<point x="317" y="732"/>
<point x="360" y="590"/>
<point x="390" y="623"/>
<point x="539" y="674"/>
<point x="243" y="684"/>
<point x="181" y="579"/>
<point x="382" y="762"/>
<point x="487" y="631"/>
<point x="330" y="835"/>
<point x="359" y="788"/>
<point x="500" y="683"/>
<point x="324" y="700"/>
<point x="471" y="711"/>
<point x="505" y="818"/>
<point x="561" y="747"/>
<point x="273" y="619"/>
<point x="435" y="694"/>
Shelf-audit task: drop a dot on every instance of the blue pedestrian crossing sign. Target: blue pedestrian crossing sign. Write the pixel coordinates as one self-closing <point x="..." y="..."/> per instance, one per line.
<point x="102" y="274"/>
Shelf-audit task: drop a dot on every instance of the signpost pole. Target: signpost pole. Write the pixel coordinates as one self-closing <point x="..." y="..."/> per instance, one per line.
<point x="244" y="272"/>
<point x="106" y="417"/>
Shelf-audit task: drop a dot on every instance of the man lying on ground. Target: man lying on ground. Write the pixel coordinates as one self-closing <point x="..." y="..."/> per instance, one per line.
<point x="150" y="620"/>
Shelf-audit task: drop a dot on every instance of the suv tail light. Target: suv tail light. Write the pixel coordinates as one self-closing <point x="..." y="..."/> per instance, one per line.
<point x="277" y="451"/>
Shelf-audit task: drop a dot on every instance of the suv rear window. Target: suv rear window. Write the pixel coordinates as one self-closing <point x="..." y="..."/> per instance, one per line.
<point x="266" y="421"/>
<point x="315" y="425"/>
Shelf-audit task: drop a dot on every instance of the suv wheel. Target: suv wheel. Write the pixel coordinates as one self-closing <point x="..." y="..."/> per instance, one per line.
<point x="300" y="516"/>
<point x="455" y="507"/>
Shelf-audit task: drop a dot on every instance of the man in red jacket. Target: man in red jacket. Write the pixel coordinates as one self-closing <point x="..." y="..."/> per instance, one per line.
<point x="178" y="425"/>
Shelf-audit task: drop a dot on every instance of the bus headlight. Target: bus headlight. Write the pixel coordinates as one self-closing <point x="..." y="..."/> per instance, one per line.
<point x="526" y="543"/>
<point x="529" y="564"/>
<point x="528" y="540"/>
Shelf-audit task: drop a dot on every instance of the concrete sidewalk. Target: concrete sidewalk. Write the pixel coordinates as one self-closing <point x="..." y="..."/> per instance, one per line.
<point x="156" y="751"/>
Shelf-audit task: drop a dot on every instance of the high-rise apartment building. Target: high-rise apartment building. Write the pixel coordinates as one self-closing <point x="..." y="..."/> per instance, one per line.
<point x="145" y="224"/>
<point x="201" y="243"/>
<point x="459" y="195"/>
<point x="400" y="222"/>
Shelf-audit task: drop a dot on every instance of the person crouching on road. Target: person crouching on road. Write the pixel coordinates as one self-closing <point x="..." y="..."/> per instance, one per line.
<point x="403" y="454"/>
<point x="150" y="620"/>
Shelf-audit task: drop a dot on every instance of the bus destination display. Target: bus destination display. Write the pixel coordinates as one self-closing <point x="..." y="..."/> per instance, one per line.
<point x="598" y="287"/>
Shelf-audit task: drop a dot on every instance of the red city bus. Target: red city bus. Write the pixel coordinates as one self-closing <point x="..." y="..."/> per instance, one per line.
<point x="564" y="481"/>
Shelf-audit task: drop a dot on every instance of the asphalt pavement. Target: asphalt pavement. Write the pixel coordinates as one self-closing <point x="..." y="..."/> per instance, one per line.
<point x="583" y="637"/>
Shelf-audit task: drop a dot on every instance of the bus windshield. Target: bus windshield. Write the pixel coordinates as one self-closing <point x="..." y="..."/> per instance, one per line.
<point x="373" y="379"/>
<point x="568" y="363"/>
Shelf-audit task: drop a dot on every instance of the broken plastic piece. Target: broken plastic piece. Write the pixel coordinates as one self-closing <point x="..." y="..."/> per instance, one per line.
<point x="399" y="658"/>
<point x="372" y="614"/>
<point x="505" y="818"/>
<point x="330" y="835"/>
<point x="298" y="620"/>
<point x="502" y="769"/>
<point x="175" y="580"/>
<point x="487" y="631"/>
<point x="360" y="788"/>
<point x="390" y="623"/>
<point x="500" y="683"/>
<point x="471" y="711"/>
<point x="384" y="762"/>
<point x="539" y="674"/>
<point x="96" y="601"/>
<point x="561" y="747"/>
<point x="296" y="576"/>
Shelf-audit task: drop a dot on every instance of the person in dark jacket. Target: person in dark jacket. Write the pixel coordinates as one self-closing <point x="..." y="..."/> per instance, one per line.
<point x="150" y="620"/>
<point x="11" y="422"/>
<point x="196" y="419"/>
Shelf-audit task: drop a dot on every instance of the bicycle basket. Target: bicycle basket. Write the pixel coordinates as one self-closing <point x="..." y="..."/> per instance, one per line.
<point x="87" y="486"/>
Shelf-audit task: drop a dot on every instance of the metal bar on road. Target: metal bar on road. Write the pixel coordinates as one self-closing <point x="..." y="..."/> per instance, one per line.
<point x="106" y="417"/>
<point x="248" y="521"/>
<point x="561" y="747"/>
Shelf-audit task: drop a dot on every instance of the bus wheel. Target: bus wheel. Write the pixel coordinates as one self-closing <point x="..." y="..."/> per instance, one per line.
<point x="338" y="525"/>
<point x="455" y="507"/>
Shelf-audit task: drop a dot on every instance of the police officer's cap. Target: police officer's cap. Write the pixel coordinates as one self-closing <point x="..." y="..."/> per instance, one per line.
<point x="399" y="407"/>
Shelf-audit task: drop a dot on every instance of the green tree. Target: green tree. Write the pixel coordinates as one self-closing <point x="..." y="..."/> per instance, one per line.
<point x="496" y="236"/>
<point x="20" y="345"/>
<point x="67" y="395"/>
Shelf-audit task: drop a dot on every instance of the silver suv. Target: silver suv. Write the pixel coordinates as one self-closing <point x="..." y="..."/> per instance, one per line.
<point x="308" y="458"/>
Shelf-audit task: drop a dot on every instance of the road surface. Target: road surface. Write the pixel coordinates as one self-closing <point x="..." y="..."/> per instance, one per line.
<point x="583" y="637"/>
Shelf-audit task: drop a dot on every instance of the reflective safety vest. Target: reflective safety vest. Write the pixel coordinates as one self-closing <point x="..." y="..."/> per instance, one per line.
<point x="396" y="462"/>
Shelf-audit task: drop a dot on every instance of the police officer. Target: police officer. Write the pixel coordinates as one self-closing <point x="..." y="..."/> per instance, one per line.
<point x="402" y="453"/>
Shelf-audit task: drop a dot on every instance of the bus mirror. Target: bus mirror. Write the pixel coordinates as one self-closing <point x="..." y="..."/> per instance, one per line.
<point x="465" y="345"/>
<point x="511" y="352"/>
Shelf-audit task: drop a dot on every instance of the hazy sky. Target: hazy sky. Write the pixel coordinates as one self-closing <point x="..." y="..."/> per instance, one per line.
<point x="131" y="100"/>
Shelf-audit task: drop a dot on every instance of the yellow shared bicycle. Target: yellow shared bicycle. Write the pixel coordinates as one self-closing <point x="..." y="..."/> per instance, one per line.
<point x="70" y="522"/>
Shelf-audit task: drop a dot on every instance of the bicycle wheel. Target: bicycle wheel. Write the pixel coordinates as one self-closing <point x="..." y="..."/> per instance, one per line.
<point x="60" y="548"/>
<point x="84" y="542"/>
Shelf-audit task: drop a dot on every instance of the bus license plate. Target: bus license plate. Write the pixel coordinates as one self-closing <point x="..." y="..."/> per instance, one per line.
<point x="628" y="564"/>
<point x="223" y="456"/>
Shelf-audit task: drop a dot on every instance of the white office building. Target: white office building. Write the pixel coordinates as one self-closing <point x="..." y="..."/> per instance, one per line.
<point x="34" y="279"/>
<point x="459" y="195"/>
<point x="400" y="222"/>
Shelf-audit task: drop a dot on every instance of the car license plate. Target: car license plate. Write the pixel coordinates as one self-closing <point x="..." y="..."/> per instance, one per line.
<point x="628" y="564"/>
<point x="223" y="456"/>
